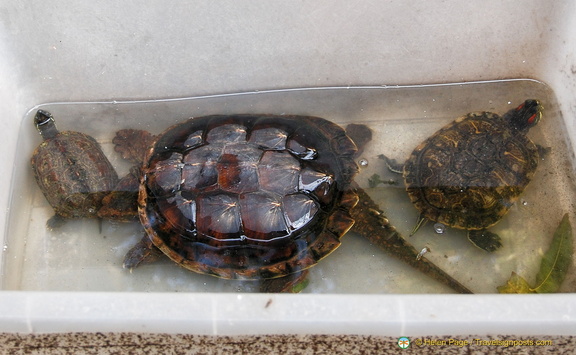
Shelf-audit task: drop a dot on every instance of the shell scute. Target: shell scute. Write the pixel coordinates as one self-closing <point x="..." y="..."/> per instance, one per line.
<point x="269" y="138"/>
<point x="263" y="216"/>
<point x="237" y="169"/>
<point x="325" y="244"/>
<point x="226" y="133"/>
<point x="300" y="209"/>
<point x="199" y="171"/>
<point x="218" y="215"/>
<point x="279" y="172"/>
<point x="165" y="176"/>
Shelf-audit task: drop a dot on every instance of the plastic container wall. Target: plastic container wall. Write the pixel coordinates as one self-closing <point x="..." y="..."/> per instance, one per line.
<point x="68" y="51"/>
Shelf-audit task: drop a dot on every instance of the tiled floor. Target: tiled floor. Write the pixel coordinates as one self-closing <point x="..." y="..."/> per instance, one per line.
<point x="133" y="343"/>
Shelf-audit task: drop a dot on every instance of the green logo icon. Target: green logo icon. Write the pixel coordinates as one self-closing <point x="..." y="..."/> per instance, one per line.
<point x="403" y="343"/>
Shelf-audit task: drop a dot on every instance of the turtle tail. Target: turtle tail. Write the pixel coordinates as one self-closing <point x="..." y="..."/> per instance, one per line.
<point x="372" y="223"/>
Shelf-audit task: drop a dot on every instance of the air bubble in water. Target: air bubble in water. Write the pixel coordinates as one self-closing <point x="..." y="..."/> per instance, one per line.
<point x="439" y="228"/>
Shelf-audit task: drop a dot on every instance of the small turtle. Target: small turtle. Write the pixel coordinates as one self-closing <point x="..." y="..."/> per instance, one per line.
<point x="256" y="197"/>
<point x="468" y="174"/>
<point x="71" y="171"/>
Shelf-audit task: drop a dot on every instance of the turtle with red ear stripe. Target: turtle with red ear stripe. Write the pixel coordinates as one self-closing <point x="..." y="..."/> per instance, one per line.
<point x="469" y="173"/>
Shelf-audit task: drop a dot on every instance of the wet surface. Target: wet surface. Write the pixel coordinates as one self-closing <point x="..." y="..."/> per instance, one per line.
<point x="84" y="255"/>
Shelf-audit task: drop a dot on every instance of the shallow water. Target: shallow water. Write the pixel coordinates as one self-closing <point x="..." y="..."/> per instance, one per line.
<point x="80" y="256"/>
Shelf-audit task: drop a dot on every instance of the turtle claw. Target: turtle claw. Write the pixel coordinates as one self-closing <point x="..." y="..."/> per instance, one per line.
<point x="132" y="144"/>
<point x="421" y="221"/>
<point x="485" y="240"/>
<point x="543" y="151"/>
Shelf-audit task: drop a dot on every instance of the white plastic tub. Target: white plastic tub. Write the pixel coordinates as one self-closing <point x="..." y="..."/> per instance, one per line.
<point x="109" y="52"/>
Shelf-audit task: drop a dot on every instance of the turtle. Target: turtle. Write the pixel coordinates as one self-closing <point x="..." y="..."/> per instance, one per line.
<point x="249" y="196"/>
<point x="469" y="173"/>
<point x="71" y="170"/>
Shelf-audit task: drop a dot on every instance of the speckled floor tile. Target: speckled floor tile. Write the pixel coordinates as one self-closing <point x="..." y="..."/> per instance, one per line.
<point x="134" y="343"/>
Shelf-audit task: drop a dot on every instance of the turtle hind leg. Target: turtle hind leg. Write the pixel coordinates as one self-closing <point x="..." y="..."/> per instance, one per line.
<point x="143" y="252"/>
<point x="56" y="222"/>
<point x="293" y="283"/>
<point x="485" y="239"/>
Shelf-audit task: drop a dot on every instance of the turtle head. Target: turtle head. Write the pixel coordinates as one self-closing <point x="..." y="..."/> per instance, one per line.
<point x="45" y="124"/>
<point x="526" y="115"/>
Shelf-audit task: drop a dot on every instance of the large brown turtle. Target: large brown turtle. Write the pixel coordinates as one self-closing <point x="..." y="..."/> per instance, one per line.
<point x="256" y="197"/>
<point x="71" y="171"/>
<point x="468" y="174"/>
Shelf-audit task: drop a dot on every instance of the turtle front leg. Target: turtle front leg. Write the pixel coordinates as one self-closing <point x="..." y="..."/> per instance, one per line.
<point x="485" y="240"/>
<point x="392" y="164"/>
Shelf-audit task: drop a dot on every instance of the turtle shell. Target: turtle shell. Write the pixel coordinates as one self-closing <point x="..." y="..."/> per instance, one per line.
<point x="469" y="173"/>
<point x="248" y="196"/>
<point x="72" y="172"/>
